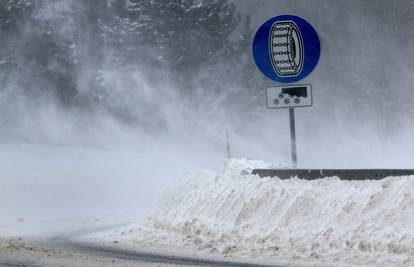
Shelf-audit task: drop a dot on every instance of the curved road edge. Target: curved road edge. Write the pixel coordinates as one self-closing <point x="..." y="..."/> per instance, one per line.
<point x="133" y="255"/>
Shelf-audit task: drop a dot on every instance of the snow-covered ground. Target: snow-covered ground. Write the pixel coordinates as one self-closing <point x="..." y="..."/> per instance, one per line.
<point x="17" y="252"/>
<point x="231" y="213"/>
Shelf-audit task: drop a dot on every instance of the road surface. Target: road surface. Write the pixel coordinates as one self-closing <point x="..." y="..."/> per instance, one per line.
<point x="65" y="251"/>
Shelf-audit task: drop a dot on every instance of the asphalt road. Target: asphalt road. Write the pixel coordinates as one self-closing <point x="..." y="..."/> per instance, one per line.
<point x="13" y="265"/>
<point x="59" y="247"/>
<point x="130" y="255"/>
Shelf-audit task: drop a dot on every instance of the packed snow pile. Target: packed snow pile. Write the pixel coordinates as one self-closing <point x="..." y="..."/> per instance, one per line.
<point x="231" y="213"/>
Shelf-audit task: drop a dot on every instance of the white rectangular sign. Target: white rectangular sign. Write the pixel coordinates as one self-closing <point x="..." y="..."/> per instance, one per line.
<point x="289" y="96"/>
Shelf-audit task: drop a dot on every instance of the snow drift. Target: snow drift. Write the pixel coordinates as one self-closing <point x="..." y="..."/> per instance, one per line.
<point x="231" y="213"/>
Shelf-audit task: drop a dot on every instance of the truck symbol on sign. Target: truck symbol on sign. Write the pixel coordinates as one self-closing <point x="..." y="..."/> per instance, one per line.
<point x="296" y="91"/>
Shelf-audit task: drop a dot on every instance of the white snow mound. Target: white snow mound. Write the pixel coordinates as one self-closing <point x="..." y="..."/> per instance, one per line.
<point x="231" y="213"/>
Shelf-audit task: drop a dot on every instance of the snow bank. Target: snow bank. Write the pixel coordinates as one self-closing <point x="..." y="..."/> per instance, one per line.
<point x="231" y="213"/>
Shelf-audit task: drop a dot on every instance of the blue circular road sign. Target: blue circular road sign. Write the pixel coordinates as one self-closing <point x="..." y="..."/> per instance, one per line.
<point x="286" y="48"/>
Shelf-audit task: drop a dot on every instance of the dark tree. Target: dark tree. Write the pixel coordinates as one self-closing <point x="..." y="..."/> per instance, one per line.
<point x="201" y="45"/>
<point x="175" y="35"/>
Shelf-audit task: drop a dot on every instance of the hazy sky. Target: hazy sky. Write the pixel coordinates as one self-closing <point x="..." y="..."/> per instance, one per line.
<point x="91" y="165"/>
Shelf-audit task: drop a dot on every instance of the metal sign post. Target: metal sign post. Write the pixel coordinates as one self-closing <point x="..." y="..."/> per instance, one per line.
<point x="286" y="49"/>
<point x="290" y="96"/>
<point x="293" y="136"/>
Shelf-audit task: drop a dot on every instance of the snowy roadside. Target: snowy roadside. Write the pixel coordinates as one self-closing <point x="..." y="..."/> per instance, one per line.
<point x="232" y="214"/>
<point x="17" y="252"/>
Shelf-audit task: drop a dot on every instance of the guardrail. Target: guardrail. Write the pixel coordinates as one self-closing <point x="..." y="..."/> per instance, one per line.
<point x="343" y="174"/>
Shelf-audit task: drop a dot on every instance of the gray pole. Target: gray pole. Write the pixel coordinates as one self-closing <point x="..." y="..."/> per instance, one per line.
<point x="293" y="136"/>
<point x="228" y="151"/>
